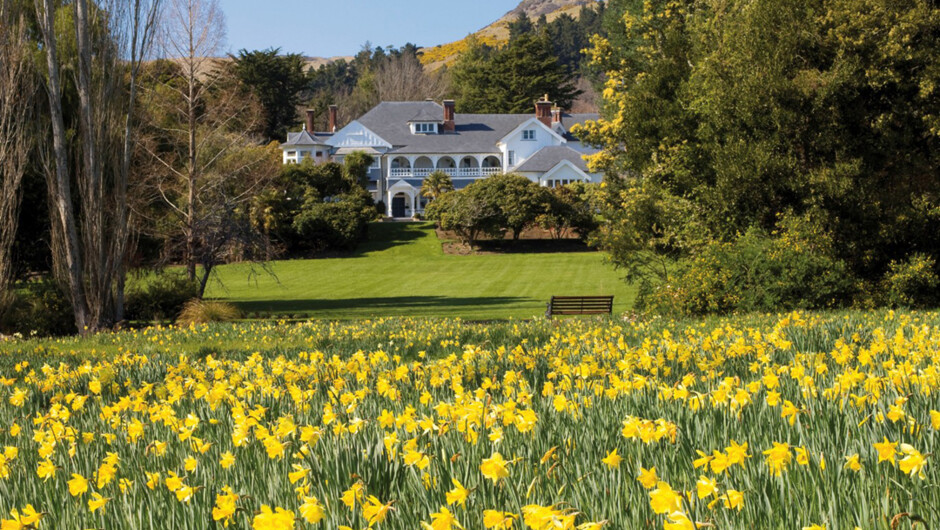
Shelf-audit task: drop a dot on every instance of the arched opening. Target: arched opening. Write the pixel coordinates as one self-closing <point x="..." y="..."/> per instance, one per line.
<point x="491" y="165"/>
<point x="400" y="167"/>
<point x="469" y="162"/>
<point x="423" y="167"/>
<point x="446" y="162"/>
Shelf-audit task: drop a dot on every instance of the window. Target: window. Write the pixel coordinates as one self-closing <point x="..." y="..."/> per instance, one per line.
<point x="376" y="163"/>
<point x="292" y="153"/>
<point x="319" y="154"/>
<point x="528" y="134"/>
<point x="425" y="128"/>
<point x="512" y="158"/>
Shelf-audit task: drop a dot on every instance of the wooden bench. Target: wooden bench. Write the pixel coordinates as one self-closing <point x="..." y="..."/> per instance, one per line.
<point x="580" y="305"/>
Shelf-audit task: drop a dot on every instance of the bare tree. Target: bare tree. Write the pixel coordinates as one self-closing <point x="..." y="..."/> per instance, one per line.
<point x="16" y="136"/>
<point x="213" y="165"/>
<point x="112" y="38"/>
<point x="193" y="32"/>
<point x="404" y="78"/>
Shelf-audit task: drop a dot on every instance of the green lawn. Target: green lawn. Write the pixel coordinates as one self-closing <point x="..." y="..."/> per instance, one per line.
<point x="402" y="271"/>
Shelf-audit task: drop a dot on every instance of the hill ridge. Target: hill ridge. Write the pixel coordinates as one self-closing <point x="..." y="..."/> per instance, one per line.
<point x="498" y="32"/>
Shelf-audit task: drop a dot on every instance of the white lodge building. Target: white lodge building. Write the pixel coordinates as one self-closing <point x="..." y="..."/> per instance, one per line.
<point x="410" y="140"/>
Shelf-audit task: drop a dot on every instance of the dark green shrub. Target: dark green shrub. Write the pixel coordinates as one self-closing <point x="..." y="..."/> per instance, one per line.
<point x="334" y="225"/>
<point x="160" y="297"/>
<point x="756" y="272"/>
<point x="470" y="213"/>
<point x="912" y="283"/>
<point x="569" y="211"/>
<point x="40" y="308"/>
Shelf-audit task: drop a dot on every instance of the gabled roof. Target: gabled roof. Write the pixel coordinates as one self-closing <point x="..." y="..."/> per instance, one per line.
<point x="546" y="158"/>
<point x="474" y="133"/>
<point x="302" y="138"/>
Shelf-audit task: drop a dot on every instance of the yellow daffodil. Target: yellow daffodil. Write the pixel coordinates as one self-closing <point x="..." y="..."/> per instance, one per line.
<point x="457" y="495"/>
<point x="664" y="499"/>
<point x="612" y="460"/>
<point x="78" y="485"/>
<point x="494" y="467"/>
<point x="886" y="450"/>
<point x="648" y="477"/>
<point x="276" y="519"/>
<point x="97" y="502"/>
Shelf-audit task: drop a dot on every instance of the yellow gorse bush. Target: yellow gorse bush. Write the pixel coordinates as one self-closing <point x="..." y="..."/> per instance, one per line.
<point x="405" y="424"/>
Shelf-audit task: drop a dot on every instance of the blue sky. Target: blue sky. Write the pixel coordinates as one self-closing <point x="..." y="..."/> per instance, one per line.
<point x="340" y="27"/>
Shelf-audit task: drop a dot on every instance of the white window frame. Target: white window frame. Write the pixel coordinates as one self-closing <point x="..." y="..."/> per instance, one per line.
<point x="528" y="135"/>
<point x="424" y="128"/>
<point x="511" y="158"/>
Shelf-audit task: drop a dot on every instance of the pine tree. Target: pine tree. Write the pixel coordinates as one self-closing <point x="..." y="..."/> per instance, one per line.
<point x="511" y="79"/>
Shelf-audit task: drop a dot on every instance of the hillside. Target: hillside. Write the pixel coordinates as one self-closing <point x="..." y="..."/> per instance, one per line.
<point x="207" y="66"/>
<point x="498" y="31"/>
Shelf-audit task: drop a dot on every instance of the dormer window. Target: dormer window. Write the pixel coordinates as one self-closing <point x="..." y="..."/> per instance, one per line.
<point x="424" y="128"/>
<point x="528" y="134"/>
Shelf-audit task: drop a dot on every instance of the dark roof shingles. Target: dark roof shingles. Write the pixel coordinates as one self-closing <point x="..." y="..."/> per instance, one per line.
<point x="548" y="157"/>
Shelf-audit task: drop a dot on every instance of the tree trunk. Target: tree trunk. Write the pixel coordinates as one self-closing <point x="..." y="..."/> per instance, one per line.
<point x="59" y="179"/>
<point x="16" y="107"/>
<point x="204" y="280"/>
<point x="95" y="230"/>
<point x="191" y="166"/>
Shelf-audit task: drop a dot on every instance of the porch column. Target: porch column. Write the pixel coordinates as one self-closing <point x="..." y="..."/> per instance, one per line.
<point x="388" y="204"/>
<point x="413" y="212"/>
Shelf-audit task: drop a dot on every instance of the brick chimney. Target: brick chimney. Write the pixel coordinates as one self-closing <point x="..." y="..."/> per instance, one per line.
<point x="308" y="124"/>
<point x="332" y="126"/>
<point x="543" y="111"/>
<point x="449" y="124"/>
<point x="556" y="115"/>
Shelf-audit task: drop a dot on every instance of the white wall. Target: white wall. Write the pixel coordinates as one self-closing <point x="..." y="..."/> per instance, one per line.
<point x="526" y="148"/>
<point x="302" y="153"/>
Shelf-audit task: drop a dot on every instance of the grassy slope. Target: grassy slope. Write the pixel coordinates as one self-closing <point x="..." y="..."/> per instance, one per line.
<point x="402" y="271"/>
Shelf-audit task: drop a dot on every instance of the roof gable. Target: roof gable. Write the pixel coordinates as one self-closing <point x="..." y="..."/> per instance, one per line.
<point x="563" y="164"/>
<point x="528" y="123"/>
<point x="355" y="134"/>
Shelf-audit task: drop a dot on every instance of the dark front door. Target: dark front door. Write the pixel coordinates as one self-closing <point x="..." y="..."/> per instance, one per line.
<point x="398" y="207"/>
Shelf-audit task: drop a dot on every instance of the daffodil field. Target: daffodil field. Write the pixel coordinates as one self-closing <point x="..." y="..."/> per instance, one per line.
<point x="792" y="421"/>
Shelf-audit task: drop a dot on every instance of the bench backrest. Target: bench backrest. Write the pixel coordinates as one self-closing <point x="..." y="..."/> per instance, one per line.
<point x="581" y="305"/>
